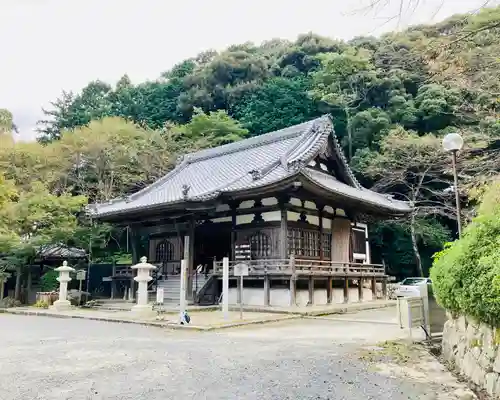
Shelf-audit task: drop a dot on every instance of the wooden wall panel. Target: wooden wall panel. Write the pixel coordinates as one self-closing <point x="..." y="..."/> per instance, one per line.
<point x="341" y="240"/>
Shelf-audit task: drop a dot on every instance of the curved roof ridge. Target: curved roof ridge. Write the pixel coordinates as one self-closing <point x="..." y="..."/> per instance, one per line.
<point x="255" y="141"/>
<point x="303" y="151"/>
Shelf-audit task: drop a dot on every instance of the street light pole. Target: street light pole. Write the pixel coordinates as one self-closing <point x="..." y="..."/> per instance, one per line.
<point x="453" y="142"/>
<point x="457" y="194"/>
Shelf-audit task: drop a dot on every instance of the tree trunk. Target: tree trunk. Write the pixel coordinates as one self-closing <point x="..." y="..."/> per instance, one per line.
<point x="415" y="246"/>
<point x="2" y="287"/>
<point x="29" y="285"/>
<point x="17" y="290"/>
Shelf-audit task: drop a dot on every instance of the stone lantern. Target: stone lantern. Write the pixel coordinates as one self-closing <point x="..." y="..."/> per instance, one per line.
<point x="143" y="277"/>
<point x="63" y="304"/>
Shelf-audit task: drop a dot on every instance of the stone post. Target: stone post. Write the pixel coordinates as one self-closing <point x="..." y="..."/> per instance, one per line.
<point x="62" y="303"/>
<point x="143" y="277"/>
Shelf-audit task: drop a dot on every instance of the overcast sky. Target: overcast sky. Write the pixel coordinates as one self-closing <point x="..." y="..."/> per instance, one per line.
<point x="54" y="45"/>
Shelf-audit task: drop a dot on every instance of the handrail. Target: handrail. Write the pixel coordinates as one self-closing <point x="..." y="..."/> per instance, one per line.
<point x="305" y="267"/>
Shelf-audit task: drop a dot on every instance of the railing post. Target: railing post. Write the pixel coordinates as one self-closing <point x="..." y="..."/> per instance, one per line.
<point x="311" y="290"/>
<point x="346" y="290"/>
<point x="374" y="288"/>
<point x="267" y="289"/>
<point x="329" y="285"/>
<point x="360" y="289"/>
<point x="293" y="281"/>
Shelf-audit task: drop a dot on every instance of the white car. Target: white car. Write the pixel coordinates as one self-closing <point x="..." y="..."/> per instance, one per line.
<point x="409" y="287"/>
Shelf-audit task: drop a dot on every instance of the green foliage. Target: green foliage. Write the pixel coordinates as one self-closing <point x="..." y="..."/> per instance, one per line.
<point x="276" y="104"/>
<point x="390" y="241"/>
<point x="41" y="304"/>
<point x="466" y="274"/>
<point x="216" y="128"/>
<point x="48" y="281"/>
<point x="9" y="302"/>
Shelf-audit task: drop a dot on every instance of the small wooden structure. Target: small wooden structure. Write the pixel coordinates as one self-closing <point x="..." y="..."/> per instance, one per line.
<point x="289" y="196"/>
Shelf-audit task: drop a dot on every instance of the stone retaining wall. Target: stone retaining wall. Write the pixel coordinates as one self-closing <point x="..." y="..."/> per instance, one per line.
<point x="473" y="350"/>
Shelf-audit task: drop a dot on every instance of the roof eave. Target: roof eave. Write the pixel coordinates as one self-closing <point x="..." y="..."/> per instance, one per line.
<point x="312" y="185"/>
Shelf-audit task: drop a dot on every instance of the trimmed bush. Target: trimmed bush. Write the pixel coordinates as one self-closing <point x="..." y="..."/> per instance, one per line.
<point x="466" y="274"/>
<point x="9" y="302"/>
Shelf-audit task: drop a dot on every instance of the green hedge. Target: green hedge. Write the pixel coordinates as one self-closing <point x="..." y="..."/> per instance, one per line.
<point x="466" y="274"/>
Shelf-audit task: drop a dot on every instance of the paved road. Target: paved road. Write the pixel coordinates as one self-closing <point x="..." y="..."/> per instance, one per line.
<point x="49" y="358"/>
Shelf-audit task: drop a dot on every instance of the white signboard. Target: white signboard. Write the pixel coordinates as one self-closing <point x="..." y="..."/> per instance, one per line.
<point x="240" y="270"/>
<point x="411" y="312"/>
<point x="159" y="296"/>
<point x="81" y="275"/>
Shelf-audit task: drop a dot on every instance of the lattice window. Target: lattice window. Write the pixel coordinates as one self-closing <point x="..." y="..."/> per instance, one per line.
<point x="303" y="242"/>
<point x="164" y="251"/>
<point x="260" y="246"/>
<point x="327" y="246"/>
<point x="358" y="241"/>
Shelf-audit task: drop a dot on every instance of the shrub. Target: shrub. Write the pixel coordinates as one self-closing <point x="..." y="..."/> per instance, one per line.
<point x="48" y="281"/>
<point x="9" y="302"/>
<point x="41" y="304"/>
<point x="466" y="274"/>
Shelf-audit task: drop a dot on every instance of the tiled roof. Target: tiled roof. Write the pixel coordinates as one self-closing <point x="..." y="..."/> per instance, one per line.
<point x="243" y="165"/>
<point x="362" y="195"/>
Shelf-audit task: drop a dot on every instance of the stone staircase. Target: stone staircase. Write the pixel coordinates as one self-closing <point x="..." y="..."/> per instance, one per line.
<point x="172" y="287"/>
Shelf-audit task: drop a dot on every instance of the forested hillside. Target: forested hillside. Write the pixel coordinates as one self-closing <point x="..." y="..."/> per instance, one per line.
<point x="392" y="99"/>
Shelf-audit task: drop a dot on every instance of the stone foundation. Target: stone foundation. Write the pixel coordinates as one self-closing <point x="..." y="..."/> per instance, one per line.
<point x="473" y="350"/>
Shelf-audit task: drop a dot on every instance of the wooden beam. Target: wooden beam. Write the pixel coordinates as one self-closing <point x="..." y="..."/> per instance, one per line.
<point x="283" y="231"/>
<point x="374" y="288"/>
<point x="321" y="230"/>
<point x="234" y="206"/>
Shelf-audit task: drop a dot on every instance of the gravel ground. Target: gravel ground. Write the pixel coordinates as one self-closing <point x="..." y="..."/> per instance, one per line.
<point x="49" y="358"/>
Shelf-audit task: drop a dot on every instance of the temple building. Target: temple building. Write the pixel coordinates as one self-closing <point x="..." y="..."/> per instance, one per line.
<point x="289" y="197"/>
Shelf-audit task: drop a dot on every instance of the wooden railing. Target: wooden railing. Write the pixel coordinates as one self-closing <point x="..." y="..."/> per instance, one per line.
<point x="305" y="267"/>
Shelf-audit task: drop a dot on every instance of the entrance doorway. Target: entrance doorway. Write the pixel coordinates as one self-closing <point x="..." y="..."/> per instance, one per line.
<point x="211" y="241"/>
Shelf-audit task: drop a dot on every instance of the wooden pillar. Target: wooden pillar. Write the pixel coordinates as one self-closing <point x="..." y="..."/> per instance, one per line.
<point x="329" y="290"/>
<point x="284" y="229"/>
<point x="234" y="206"/>
<point x="321" y="244"/>
<point x="267" y="290"/>
<point x="384" y="288"/>
<point x="360" y="289"/>
<point x="374" y="288"/>
<point x="134" y="245"/>
<point x="346" y="290"/>
<point x="311" y="290"/>
<point x="293" y="282"/>
<point x="189" y="256"/>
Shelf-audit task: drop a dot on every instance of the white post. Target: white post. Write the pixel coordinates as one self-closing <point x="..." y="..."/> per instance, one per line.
<point x="182" y="302"/>
<point x="143" y="277"/>
<point x="62" y="303"/>
<point x="225" y="287"/>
